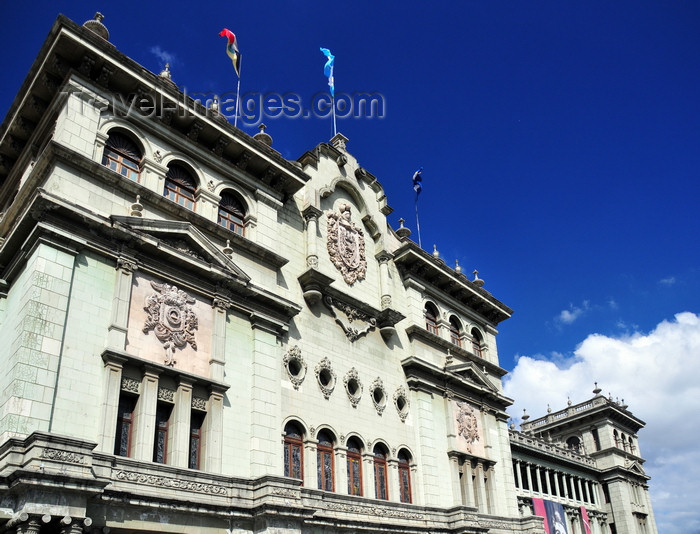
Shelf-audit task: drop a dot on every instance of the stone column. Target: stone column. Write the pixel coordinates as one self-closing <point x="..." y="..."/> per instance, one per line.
<point x="116" y="333"/>
<point x="368" y="487"/>
<point x="566" y="486"/>
<point x="111" y="387"/>
<point x="310" y="464"/>
<point x="528" y="472"/>
<point x="392" y="480"/>
<point x="266" y="398"/>
<point x="454" y="480"/>
<point x="556" y="484"/>
<point x="468" y="483"/>
<point x="311" y="215"/>
<point x="480" y="489"/>
<point x="340" y="469"/>
<point x="516" y="472"/>
<point x="145" y="415"/>
<point x="383" y="258"/>
<point x="212" y="442"/>
<point x="580" y="489"/>
<point x="538" y="478"/>
<point x="179" y="425"/>
<point x="218" y="345"/>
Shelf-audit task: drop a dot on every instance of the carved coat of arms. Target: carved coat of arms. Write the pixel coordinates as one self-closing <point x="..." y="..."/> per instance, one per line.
<point x="346" y="245"/>
<point x="467" y="425"/>
<point x="171" y="318"/>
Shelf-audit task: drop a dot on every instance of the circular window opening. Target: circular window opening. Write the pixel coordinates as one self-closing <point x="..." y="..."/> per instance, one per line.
<point x="353" y="386"/>
<point x="378" y="396"/>
<point x="294" y="367"/>
<point x="401" y="403"/>
<point x="325" y="377"/>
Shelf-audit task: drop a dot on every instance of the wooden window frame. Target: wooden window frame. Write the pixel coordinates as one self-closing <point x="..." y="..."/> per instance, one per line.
<point x="161" y="432"/>
<point x="124" y="421"/>
<point x="381" y="474"/>
<point x="290" y="444"/>
<point x="325" y="451"/>
<point x="405" y="494"/>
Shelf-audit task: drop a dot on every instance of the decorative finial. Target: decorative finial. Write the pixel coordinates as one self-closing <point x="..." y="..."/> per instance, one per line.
<point x="263" y="136"/>
<point x="568" y="400"/>
<point x="525" y="416"/>
<point x="136" y="208"/>
<point x="623" y="405"/>
<point x="512" y="425"/>
<point x="478" y="282"/>
<point x="165" y="73"/>
<point x="402" y="232"/>
<point x="95" y="26"/>
<point x="227" y="249"/>
<point x="597" y="390"/>
<point x="436" y="254"/>
<point x="458" y="269"/>
<point x="549" y="408"/>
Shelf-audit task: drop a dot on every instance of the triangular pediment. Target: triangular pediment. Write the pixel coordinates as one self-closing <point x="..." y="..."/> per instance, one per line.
<point x="636" y="467"/>
<point x="182" y="239"/>
<point x="470" y="372"/>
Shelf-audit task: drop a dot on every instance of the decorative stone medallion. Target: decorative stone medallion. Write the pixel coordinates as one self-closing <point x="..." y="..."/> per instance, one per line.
<point x="171" y="318"/>
<point x="295" y="366"/>
<point x="346" y="245"/>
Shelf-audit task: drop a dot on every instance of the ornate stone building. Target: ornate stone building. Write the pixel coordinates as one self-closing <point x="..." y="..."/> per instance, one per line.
<point x="202" y="336"/>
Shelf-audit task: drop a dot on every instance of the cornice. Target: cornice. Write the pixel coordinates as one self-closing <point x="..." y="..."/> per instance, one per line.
<point x="414" y="262"/>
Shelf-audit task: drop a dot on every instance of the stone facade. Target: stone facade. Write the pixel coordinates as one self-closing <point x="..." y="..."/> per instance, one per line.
<point x="202" y="336"/>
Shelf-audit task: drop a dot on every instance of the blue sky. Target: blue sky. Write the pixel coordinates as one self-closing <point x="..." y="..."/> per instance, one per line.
<point x="560" y="142"/>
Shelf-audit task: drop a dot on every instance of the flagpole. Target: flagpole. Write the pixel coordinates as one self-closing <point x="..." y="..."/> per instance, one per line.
<point x="238" y="92"/>
<point x="418" y="223"/>
<point x="333" y="102"/>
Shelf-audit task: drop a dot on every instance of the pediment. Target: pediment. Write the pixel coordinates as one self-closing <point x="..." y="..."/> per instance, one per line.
<point x="183" y="240"/>
<point x="470" y="372"/>
<point x="636" y="468"/>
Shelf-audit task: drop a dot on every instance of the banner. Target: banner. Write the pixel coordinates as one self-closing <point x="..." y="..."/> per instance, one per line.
<point x="554" y="516"/>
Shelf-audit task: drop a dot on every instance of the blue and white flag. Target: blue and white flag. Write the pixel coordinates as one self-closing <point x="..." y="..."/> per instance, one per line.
<point x="328" y="69"/>
<point x="417" y="181"/>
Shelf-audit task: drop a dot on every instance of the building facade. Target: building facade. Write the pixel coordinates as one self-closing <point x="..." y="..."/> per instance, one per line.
<point x="202" y="336"/>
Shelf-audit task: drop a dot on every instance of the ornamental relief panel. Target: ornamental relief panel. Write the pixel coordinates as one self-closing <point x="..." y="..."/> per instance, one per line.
<point x="346" y="244"/>
<point x="169" y="325"/>
<point x="467" y="428"/>
<point x="355" y="323"/>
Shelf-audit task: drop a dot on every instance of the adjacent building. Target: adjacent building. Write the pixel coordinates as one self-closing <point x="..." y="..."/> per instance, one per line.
<point x="202" y="336"/>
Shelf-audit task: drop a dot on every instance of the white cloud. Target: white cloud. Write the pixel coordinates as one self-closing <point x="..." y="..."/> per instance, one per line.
<point x="668" y="281"/>
<point x="573" y="313"/>
<point x="163" y="56"/>
<point x="657" y="375"/>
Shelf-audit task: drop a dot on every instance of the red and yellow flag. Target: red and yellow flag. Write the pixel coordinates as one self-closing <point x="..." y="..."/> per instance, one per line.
<point x="232" y="49"/>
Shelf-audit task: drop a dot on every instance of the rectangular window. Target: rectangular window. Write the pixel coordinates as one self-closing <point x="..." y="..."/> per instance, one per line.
<point x="160" y="445"/>
<point x="596" y="439"/>
<point x="354" y="474"/>
<point x="292" y="459"/>
<point x="405" y="482"/>
<point x="380" y="480"/>
<point x="196" y="421"/>
<point x="324" y="467"/>
<point x="125" y="423"/>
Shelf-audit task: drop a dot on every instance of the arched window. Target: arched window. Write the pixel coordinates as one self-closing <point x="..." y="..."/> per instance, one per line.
<point x="431" y="316"/>
<point x="405" y="476"/>
<point x="180" y="185"/>
<point x="617" y="438"/>
<point x="122" y="155"/>
<point x="293" y="451"/>
<point x="477" y="343"/>
<point x="574" y="444"/>
<point x="455" y="331"/>
<point x="324" y="461"/>
<point x="231" y="213"/>
<point x="354" y="467"/>
<point x="381" y="488"/>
